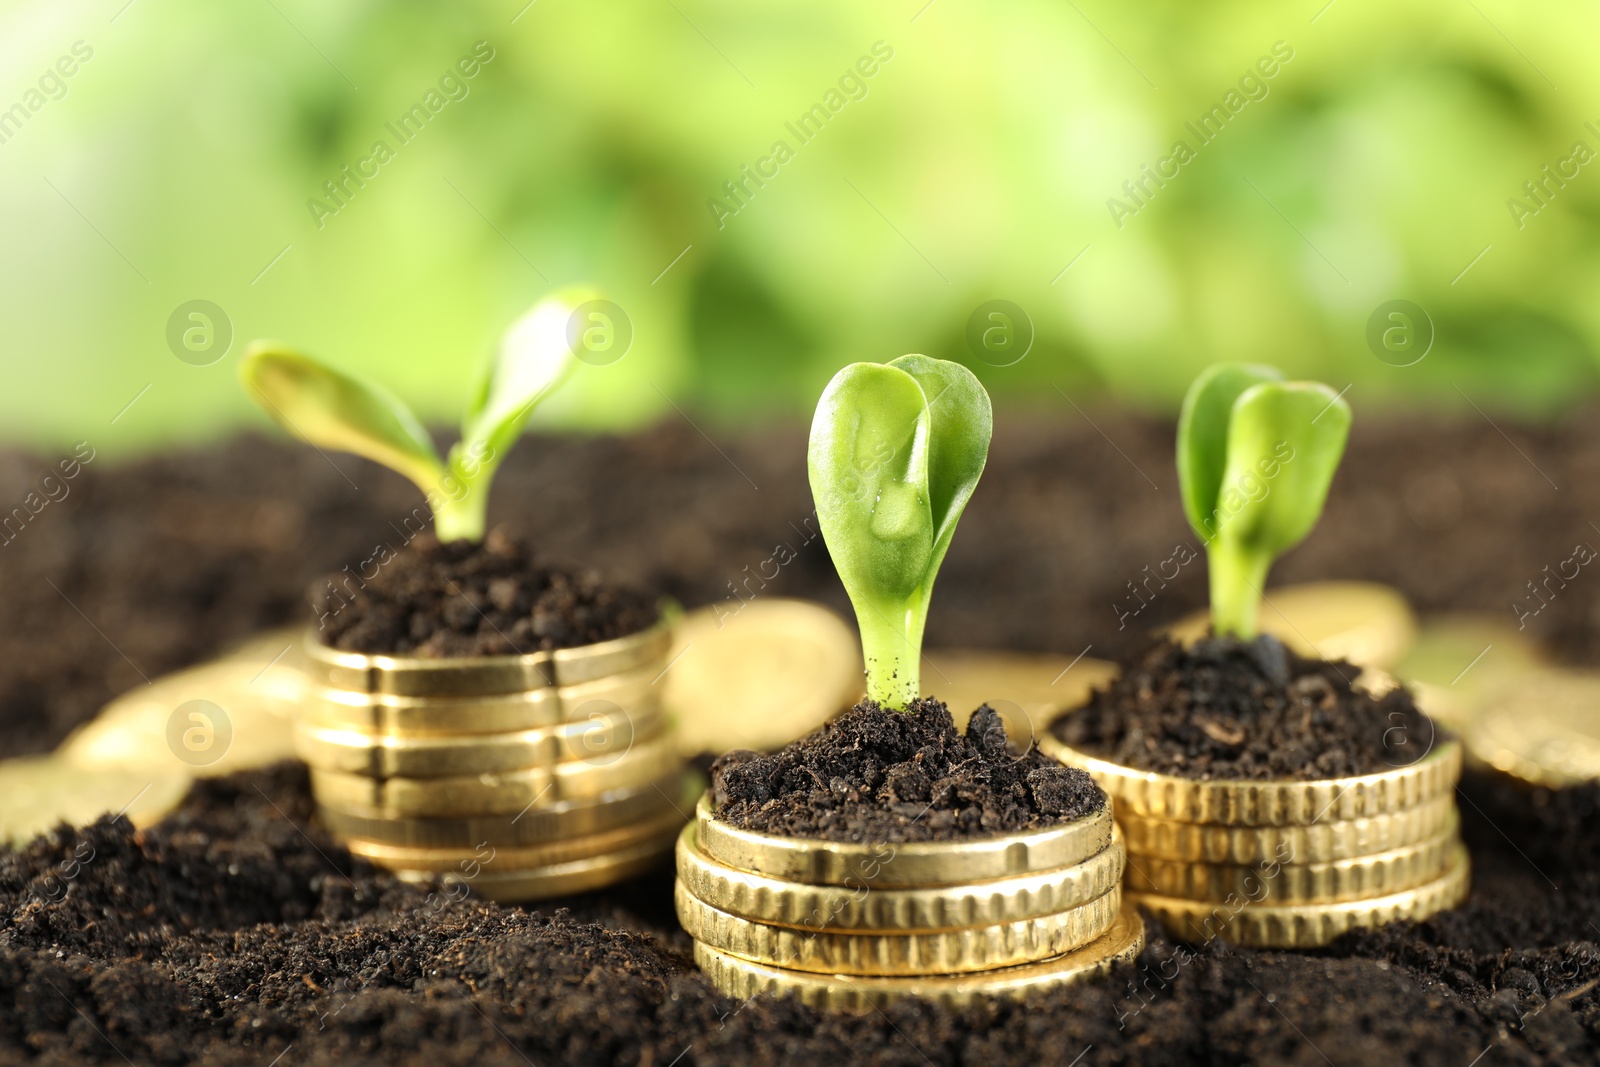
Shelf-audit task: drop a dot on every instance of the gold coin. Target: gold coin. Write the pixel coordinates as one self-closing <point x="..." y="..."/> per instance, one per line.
<point x="863" y="907"/>
<point x="1246" y="802"/>
<point x="386" y="713"/>
<point x="836" y="992"/>
<point x="217" y="718"/>
<point x="486" y="675"/>
<point x="1240" y="922"/>
<point x="1026" y="689"/>
<point x="505" y="793"/>
<point x="607" y="733"/>
<point x="977" y="948"/>
<point x="1461" y="662"/>
<point x="1285" y="882"/>
<point x="1324" y="842"/>
<point x="1367" y="624"/>
<point x="918" y="865"/>
<point x="759" y="674"/>
<point x="547" y="822"/>
<point x="516" y="857"/>
<point x="43" y="791"/>
<point x="1545" y="729"/>
<point x="544" y="883"/>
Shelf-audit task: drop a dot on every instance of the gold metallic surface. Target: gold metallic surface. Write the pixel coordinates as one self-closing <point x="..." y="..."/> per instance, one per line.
<point x="505" y="793"/>
<point x="759" y="674"/>
<point x="1323" y="842"/>
<point x="605" y="734"/>
<point x="913" y="952"/>
<point x="241" y="721"/>
<point x="1297" y="883"/>
<point x="742" y="978"/>
<point x="1240" y="922"/>
<point x="918" y="865"/>
<point x="537" y="825"/>
<point x="864" y="907"/>
<point x="518" y="857"/>
<point x="1243" y="802"/>
<point x="42" y="791"/>
<point x="415" y="716"/>
<point x="484" y="675"/>
<point x="1545" y="730"/>
<point x="542" y="883"/>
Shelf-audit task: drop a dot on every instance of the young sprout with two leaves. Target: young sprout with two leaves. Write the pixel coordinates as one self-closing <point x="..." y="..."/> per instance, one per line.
<point x="896" y="450"/>
<point x="335" y="410"/>
<point x="1256" y="455"/>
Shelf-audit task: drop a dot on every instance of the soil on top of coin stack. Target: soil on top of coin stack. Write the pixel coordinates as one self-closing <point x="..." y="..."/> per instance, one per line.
<point x="873" y="774"/>
<point x="461" y="598"/>
<point x="1225" y="708"/>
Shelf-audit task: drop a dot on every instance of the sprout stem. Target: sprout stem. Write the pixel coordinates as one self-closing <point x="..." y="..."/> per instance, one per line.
<point x="1238" y="574"/>
<point x="891" y="640"/>
<point x="460" y="520"/>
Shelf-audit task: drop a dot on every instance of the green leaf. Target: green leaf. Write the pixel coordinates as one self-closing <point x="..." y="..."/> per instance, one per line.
<point x="1284" y="442"/>
<point x="332" y="409"/>
<point x="868" y="463"/>
<point x="534" y="357"/>
<point x="896" y="450"/>
<point x="962" y="422"/>
<point x="1287" y="438"/>
<point x="1203" y="436"/>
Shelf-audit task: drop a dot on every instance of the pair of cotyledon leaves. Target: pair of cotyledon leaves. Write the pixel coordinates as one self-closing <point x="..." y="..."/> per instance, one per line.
<point x="335" y="410"/>
<point x="1236" y="422"/>
<point x="895" y="453"/>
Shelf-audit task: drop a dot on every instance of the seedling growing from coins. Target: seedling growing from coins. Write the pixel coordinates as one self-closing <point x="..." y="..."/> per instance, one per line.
<point x="896" y="450"/>
<point x="332" y="409"/>
<point x="1256" y="455"/>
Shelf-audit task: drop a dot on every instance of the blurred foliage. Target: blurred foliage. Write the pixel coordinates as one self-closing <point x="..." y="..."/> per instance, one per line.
<point x="177" y="163"/>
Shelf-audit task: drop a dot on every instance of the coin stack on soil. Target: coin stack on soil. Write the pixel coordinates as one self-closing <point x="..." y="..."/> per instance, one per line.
<point x="848" y="926"/>
<point x="1287" y="864"/>
<point x="522" y="776"/>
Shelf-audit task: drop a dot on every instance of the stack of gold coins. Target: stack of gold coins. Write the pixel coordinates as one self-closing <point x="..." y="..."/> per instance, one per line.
<point x="849" y="926"/>
<point x="1287" y="864"/>
<point x="524" y="777"/>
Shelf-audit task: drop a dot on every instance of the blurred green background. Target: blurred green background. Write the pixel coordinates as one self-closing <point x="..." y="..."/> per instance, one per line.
<point x="1383" y="159"/>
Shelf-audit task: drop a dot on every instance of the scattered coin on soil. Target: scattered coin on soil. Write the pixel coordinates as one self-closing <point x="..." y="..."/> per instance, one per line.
<point x="759" y="675"/>
<point x="1545" y="729"/>
<point x="43" y="791"/>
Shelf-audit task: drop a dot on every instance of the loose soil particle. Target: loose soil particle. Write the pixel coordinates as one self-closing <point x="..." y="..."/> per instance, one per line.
<point x="462" y="599"/>
<point x="1225" y="708"/>
<point x="875" y="775"/>
<point x="230" y="933"/>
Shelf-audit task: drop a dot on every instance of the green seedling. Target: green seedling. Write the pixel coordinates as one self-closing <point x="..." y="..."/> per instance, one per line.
<point x="1256" y="455"/>
<point x="331" y="409"/>
<point x="896" y="450"/>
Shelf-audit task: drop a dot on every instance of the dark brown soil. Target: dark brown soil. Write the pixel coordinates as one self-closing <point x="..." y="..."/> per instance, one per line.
<point x="229" y="934"/>
<point x="435" y="600"/>
<point x="1226" y="708"/>
<point x="878" y="775"/>
<point x="236" y="932"/>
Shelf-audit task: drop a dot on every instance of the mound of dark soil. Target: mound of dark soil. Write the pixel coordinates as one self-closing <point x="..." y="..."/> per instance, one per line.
<point x="463" y="599"/>
<point x="1225" y="708"/>
<point x="878" y="775"/>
